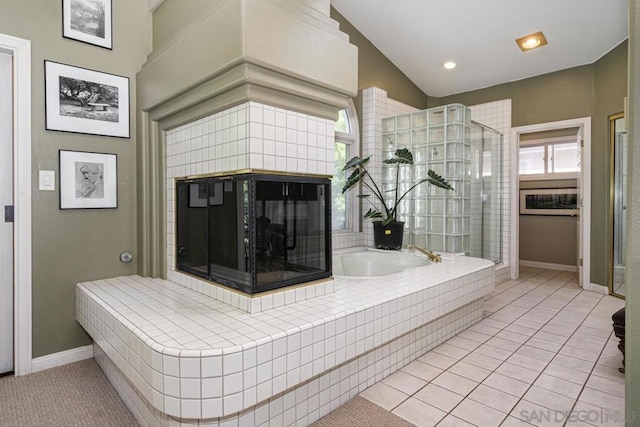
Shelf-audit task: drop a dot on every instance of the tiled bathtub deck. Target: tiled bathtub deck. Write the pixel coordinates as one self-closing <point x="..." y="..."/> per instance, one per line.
<point x="191" y="357"/>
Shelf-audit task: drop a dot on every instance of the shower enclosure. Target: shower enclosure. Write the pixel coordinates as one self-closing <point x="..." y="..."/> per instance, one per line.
<point x="486" y="193"/>
<point x="469" y="155"/>
<point x="618" y="226"/>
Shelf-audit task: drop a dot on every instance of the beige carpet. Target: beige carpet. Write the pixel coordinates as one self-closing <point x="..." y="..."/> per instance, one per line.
<point x="78" y="394"/>
<point x="359" y="412"/>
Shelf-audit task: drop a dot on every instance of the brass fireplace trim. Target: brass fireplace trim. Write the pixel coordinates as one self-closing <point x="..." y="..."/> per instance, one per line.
<point x="255" y="172"/>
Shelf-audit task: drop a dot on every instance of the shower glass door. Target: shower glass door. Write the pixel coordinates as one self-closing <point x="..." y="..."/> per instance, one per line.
<point x="486" y="193"/>
<point x="619" y="146"/>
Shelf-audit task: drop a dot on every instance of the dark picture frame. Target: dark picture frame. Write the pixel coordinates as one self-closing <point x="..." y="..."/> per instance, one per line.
<point x="549" y="201"/>
<point x="88" y="180"/>
<point x="88" y="21"/>
<point x="81" y="100"/>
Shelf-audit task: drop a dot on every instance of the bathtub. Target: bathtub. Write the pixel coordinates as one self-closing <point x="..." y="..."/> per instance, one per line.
<point x="370" y="263"/>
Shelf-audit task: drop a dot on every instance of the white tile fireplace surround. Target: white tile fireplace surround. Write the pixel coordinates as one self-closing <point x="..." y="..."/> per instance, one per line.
<point x="253" y="136"/>
<point x="177" y="355"/>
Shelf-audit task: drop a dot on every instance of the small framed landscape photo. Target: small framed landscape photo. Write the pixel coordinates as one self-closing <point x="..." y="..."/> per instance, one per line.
<point x="88" y="21"/>
<point x="86" y="101"/>
<point x="550" y="201"/>
<point x="88" y="180"/>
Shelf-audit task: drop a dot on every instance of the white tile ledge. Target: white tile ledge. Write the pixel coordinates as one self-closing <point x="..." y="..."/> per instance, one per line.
<point x="152" y="329"/>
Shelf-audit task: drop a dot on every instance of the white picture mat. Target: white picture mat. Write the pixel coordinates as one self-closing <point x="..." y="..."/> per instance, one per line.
<point x="527" y="192"/>
<point x="83" y="37"/>
<point x="55" y="121"/>
<point x="68" y="199"/>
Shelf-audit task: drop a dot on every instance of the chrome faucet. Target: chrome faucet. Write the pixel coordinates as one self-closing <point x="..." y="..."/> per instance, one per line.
<point x="432" y="256"/>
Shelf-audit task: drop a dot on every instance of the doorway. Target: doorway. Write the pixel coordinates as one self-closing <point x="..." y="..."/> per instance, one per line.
<point x="6" y="223"/>
<point x="583" y="207"/>
<point x="19" y="50"/>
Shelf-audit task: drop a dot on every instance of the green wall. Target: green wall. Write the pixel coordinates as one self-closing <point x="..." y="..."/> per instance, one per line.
<point x="596" y="90"/>
<point x="549" y="238"/>
<point x="76" y="245"/>
<point x="375" y="70"/>
<point x="171" y="17"/>
<point x="561" y="95"/>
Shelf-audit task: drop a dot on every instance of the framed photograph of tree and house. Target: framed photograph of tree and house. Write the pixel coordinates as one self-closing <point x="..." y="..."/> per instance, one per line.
<point x="86" y="101"/>
<point x="88" y="21"/>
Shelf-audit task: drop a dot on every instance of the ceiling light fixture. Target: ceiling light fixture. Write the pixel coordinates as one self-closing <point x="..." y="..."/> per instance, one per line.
<point x="531" y="41"/>
<point x="449" y="65"/>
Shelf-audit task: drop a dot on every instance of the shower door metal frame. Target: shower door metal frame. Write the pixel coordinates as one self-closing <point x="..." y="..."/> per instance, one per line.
<point x="484" y="128"/>
<point x="613" y="212"/>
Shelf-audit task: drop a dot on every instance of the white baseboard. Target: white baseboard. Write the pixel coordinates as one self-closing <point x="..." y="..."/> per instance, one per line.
<point x="550" y="266"/>
<point x="599" y="289"/>
<point x="62" y="358"/>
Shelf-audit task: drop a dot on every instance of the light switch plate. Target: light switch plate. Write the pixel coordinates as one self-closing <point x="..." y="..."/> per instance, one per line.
<point x="47" y="180"/>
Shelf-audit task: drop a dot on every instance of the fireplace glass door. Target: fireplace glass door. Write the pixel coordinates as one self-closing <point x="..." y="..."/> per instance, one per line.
<point x="254" y="232"/>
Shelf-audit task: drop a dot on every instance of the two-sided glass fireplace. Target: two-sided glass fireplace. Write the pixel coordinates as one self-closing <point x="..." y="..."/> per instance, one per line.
<point x="254" y="232"/>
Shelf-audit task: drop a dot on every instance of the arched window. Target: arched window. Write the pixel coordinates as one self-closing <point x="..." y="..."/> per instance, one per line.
<point x="344" y="206"/>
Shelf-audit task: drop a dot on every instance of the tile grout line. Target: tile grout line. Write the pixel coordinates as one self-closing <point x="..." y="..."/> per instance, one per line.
<point x="520" y="296"/>
<point x="588" y="377"/>
<point x="523" y="344"/>
<point x="445" y="370"/>
<point x="531" y="290"/>
<point x="537" y="329"/>
<point x="556" y="354"/>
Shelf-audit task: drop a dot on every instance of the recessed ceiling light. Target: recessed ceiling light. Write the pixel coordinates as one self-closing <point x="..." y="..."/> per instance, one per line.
<point x="449" y="65"/>
<point x="531" y="41"/>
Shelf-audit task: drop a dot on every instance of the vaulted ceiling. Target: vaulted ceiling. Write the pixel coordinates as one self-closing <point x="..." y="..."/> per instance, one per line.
<point x="419" y="36"/>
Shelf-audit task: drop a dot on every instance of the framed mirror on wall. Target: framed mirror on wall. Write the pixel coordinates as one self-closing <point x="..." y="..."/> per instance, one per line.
<point x="618" y="207"/>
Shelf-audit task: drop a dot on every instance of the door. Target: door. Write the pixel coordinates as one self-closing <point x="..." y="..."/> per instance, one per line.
<point x="580" y="255"/>
<point x="6" y="199"/>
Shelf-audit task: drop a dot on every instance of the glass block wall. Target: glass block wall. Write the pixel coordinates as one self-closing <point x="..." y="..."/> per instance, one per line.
<point x="439" y="139"/>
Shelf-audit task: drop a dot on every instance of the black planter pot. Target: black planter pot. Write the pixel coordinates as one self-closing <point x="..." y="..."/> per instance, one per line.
<point x="388" y="236"/>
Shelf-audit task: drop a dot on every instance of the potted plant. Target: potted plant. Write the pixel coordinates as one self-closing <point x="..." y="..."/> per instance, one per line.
<point x="387" y="231"/>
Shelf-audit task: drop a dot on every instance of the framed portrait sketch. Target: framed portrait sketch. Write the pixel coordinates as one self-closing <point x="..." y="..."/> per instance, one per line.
<point x="88" y="21"/>
<point x="88" y="180"/>
<point x="86" y="101"/>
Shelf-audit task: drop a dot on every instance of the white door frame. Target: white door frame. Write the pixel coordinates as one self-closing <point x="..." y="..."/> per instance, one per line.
<point x="20" y="49"/>
<point x="585" y="171"/>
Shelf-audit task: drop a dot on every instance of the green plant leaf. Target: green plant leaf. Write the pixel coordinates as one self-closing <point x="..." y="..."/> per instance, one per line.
<point x="389" y="220"/>
<point x="373" y="214"/>
<point x="353" y="179"/>
<point x="402" y="155"/>
<point x="362" y="196"/>
<point x="438" y="181"/>
<point x="355" y="162"/>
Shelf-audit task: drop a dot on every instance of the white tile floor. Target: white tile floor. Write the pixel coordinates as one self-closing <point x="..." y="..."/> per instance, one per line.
<point x="545" y="355"/>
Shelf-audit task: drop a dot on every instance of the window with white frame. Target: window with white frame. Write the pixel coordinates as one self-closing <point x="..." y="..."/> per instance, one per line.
<point x="344" y="206"/>
<point x="551" y="158"/>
